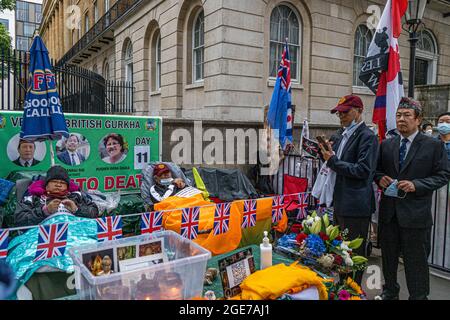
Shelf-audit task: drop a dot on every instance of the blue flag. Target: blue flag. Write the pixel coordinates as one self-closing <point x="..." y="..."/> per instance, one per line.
<point x="279" y="115"/>
<point x="43" y="117"/>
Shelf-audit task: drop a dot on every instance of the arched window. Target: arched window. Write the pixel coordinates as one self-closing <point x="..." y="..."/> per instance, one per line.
<point x="86" y="22"/>
<point x="105" y="71"/>
<point x="129" y="62"/>
<point x="426" y="59"/>
<point x="284" y="23"/>
<point x="158" y="63"/>
<point x="363" y="38"/>
<point x="198" y="47"/>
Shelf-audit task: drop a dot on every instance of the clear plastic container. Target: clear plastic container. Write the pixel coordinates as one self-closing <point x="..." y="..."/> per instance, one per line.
<point x="179" y="276"/>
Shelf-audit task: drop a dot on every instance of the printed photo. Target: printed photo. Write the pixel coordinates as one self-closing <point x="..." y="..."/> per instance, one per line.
<point x="154" y="247"/>
<point x="73" y="150"/>
<point x="100" y="263"/>
<point x="25" y="153"/>
<point x="113" y="148"/>
<point x="125" y="253"/>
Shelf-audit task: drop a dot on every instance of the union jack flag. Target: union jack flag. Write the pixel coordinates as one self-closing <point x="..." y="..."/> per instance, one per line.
<point x="303" y="202"/>
<point x="4" y="241"/>
<point x="52" y="241"/>
<point x="109" y="228"/>
<point x="277" y="208"/>
<point x="151" y="222"/>
<point x="249" y="214"/>
<point x="221" y="218"/>
<point x="189" y="222"/>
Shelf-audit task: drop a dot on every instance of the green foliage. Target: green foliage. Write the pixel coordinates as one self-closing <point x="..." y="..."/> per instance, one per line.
<point x="7" y="5"/>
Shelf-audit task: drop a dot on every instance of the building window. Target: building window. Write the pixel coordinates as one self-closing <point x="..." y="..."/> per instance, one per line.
<point x="129" y="62"/>
<point x="5" y="23"/>
<point x="158" y="63"/>
<point x="198" y="48"/>
<point x="95" y="69"/>
<point x="106" y="70"/>
<point x="426" y="59"/>
<point x="86" y="22"/>
<point x="284" y="23"/>
<point x="22" y="10"/>
<point x="22" y="43"/>
<point x="106" y="5"/>
<point x="363" y="38"/>
<point x="28" y="29"/>
<point x="38" y="14"/>
<point x="95" y="12"/>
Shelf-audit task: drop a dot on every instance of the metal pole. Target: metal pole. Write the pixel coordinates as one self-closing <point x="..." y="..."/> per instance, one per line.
<point x="412" y="62"/>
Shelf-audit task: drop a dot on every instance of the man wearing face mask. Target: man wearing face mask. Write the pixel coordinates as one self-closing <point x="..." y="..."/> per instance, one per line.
<point x="410" y="168"/>
<point x="352" y="156"/>
<point x="444" y="130"/>
<point x="165" y="186"/>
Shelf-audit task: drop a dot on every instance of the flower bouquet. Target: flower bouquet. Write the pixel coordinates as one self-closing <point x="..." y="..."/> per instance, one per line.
<point x="349" y="290"/>
<point x="323" y="246"/>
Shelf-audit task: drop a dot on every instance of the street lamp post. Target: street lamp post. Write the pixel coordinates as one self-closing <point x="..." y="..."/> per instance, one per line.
<point x="414" y="15"/>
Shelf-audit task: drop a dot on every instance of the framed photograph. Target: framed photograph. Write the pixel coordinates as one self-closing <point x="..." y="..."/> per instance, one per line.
<point x="101" y="262"/>
<point x="155" y="246"/>
<point x="234" y="269"/>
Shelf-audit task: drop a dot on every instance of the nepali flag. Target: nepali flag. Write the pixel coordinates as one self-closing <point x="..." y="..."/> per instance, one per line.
<point x="4" y="241"/>
<point x="151" y="222"/>
<point x="109" y="228"/>
<point x="303" y="203"/>
<point x="52" y="241"/>
<point x="190" y="219"/>
<point x="249" y="214"/>
<point x="277" y="208"/>
<point x="381" y="70"/>
<point x="279" y="115"/>
<point x="221" y="218"/>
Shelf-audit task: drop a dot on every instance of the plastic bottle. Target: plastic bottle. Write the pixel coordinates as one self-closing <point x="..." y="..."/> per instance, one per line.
<point x="266" y="252"/>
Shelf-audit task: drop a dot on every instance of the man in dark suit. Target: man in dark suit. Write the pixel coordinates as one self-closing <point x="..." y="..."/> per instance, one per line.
<point x="71" y="156"/>
<point x="26" y="151"/>
<point x="353" y="156"/>
<point x="419" y="164"/>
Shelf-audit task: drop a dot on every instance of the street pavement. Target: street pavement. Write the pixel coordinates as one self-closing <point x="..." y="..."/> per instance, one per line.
<point x="439" y="286"/>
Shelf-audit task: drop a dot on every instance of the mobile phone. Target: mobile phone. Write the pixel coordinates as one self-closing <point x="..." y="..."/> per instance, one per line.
<point x="323" y="142"/>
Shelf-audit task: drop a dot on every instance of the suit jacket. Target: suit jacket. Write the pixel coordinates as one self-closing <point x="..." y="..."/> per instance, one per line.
<point x="65" y="157"/>
<point x="426" y="165"/>
<point x="353" y="192"/>
<point x="33" y="163"/>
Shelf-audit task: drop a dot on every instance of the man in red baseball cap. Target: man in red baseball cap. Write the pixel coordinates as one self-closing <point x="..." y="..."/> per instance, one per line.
<point x="353" y="158"/>
<point x="165" y="186"/>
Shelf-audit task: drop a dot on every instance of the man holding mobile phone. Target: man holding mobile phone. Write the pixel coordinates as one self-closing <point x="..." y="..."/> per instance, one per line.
<point x="353" y="157"/>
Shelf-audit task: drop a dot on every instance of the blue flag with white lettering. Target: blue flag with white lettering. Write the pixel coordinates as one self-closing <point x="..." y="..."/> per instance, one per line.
<point x="43" y="118"/>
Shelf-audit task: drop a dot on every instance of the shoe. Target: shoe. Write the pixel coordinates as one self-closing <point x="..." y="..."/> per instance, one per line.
<point x="386" y="296"/>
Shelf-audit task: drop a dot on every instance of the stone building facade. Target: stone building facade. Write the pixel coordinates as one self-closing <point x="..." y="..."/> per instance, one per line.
<point x="214" y="60"/>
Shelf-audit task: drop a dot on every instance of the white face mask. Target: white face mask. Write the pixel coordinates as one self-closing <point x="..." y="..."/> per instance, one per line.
<point x="166" y="182"/>
<point x="429" y="132"/>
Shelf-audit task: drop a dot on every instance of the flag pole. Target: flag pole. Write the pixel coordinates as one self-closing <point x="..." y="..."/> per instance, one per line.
<point x="52" y="153"/>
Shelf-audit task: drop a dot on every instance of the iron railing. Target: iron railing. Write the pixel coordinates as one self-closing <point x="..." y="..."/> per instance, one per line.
<point x="80" y="90"/>
<point x="120" y="8"/>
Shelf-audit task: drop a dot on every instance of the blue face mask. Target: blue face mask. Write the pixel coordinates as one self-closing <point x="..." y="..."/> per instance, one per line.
<point x="392" y="191"/>
<point x="354" y="123"/>
<point x="166" y="182"/>
<point x="444" y="128"/>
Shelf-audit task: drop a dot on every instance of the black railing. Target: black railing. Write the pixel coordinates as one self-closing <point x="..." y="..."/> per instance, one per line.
<point x="440" y="233"/>
<point x="80" y="90"/>
<point x="120" y="8"/>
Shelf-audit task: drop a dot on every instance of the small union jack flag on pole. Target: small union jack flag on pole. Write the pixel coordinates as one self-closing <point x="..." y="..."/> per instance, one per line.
<point x="249" y="214"/>
<point x="4" y="241"/>
<point x="190" y="219"/>
<point x="151" y="222"/>
<point x="52" y="241"/>
<point x="221" y="218"/>
<point x="303" y="202"/>
<point x="109" y="228"/>
<point x="277" y="208"/>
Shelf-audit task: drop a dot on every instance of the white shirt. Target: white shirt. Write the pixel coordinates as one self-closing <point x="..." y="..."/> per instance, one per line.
<point x="74" y="157"/>
<point x="345" y="136"/>
<point x="410" y="141"/>
<point x="22" y="162"/>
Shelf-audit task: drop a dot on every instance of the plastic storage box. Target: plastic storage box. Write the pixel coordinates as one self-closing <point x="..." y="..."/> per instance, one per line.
<point x="171" y="271"/>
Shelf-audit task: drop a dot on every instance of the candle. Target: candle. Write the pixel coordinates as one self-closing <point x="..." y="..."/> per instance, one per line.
<point x="147" y="289"/>
<point x="171" y="286"/>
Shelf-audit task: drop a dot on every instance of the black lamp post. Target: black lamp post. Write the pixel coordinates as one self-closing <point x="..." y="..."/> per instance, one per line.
<point x="414" y="15"/>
